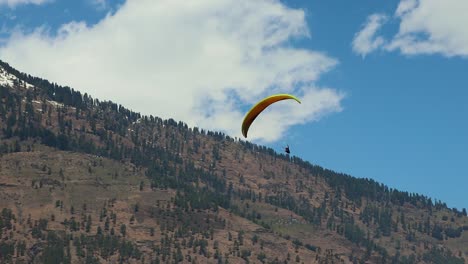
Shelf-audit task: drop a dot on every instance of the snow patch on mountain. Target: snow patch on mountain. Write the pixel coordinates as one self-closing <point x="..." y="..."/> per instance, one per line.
<point x="10" y="80"/>
<point x="54" y="103"/>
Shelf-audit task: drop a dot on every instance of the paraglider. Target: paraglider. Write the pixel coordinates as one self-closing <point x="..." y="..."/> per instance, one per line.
<point x="287" y="149"/>
<point x="259" y="107"/>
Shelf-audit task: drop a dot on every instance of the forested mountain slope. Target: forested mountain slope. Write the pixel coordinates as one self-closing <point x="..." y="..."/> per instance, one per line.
<point x="90" y="181"/>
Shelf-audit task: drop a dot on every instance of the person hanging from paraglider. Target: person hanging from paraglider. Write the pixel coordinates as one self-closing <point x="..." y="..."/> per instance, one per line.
<point x="286" y="149"/>
<point x="253" y="113"/>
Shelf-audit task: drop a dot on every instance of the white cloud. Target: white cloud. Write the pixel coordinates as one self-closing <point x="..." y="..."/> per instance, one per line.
<point x="365" y="40"/>
<point x="431" y="27"/>
<point x="13" y="3"/>
<point x="201" y="62"/>
<point x="405" y="6"/>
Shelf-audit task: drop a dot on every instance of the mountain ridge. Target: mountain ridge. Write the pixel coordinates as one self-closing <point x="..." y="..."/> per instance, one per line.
<point x="212" y="171"/>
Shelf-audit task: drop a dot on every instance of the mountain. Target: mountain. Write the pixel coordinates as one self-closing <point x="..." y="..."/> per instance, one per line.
<point x="90" y="181"/>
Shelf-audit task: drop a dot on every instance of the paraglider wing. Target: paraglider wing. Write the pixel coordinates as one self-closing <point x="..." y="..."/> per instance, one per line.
<point x="260" y="106"/>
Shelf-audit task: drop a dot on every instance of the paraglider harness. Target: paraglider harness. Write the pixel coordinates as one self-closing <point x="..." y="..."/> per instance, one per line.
<point x="287" y="149"/>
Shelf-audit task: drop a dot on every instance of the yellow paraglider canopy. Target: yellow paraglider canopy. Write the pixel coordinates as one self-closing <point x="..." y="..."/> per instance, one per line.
<point x="260" y="106"/>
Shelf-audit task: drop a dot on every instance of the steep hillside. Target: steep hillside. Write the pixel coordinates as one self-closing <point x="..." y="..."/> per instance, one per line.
<point x="89" y="181"/>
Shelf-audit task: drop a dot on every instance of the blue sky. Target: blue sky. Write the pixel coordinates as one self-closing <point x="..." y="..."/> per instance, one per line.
<point x="404" y="121"/>
<point x="383" y="83"/>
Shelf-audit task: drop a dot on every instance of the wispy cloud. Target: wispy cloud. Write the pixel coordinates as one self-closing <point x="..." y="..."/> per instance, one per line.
<point x="203" y="62"/>
<point x="366" y="41"/>
<point x="99" y="4"/>
<point x="13" y="3"/>
<point x="430" y="27"/>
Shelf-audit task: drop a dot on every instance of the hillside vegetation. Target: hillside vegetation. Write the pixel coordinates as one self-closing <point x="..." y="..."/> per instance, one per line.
<point x="90" y="181"/>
